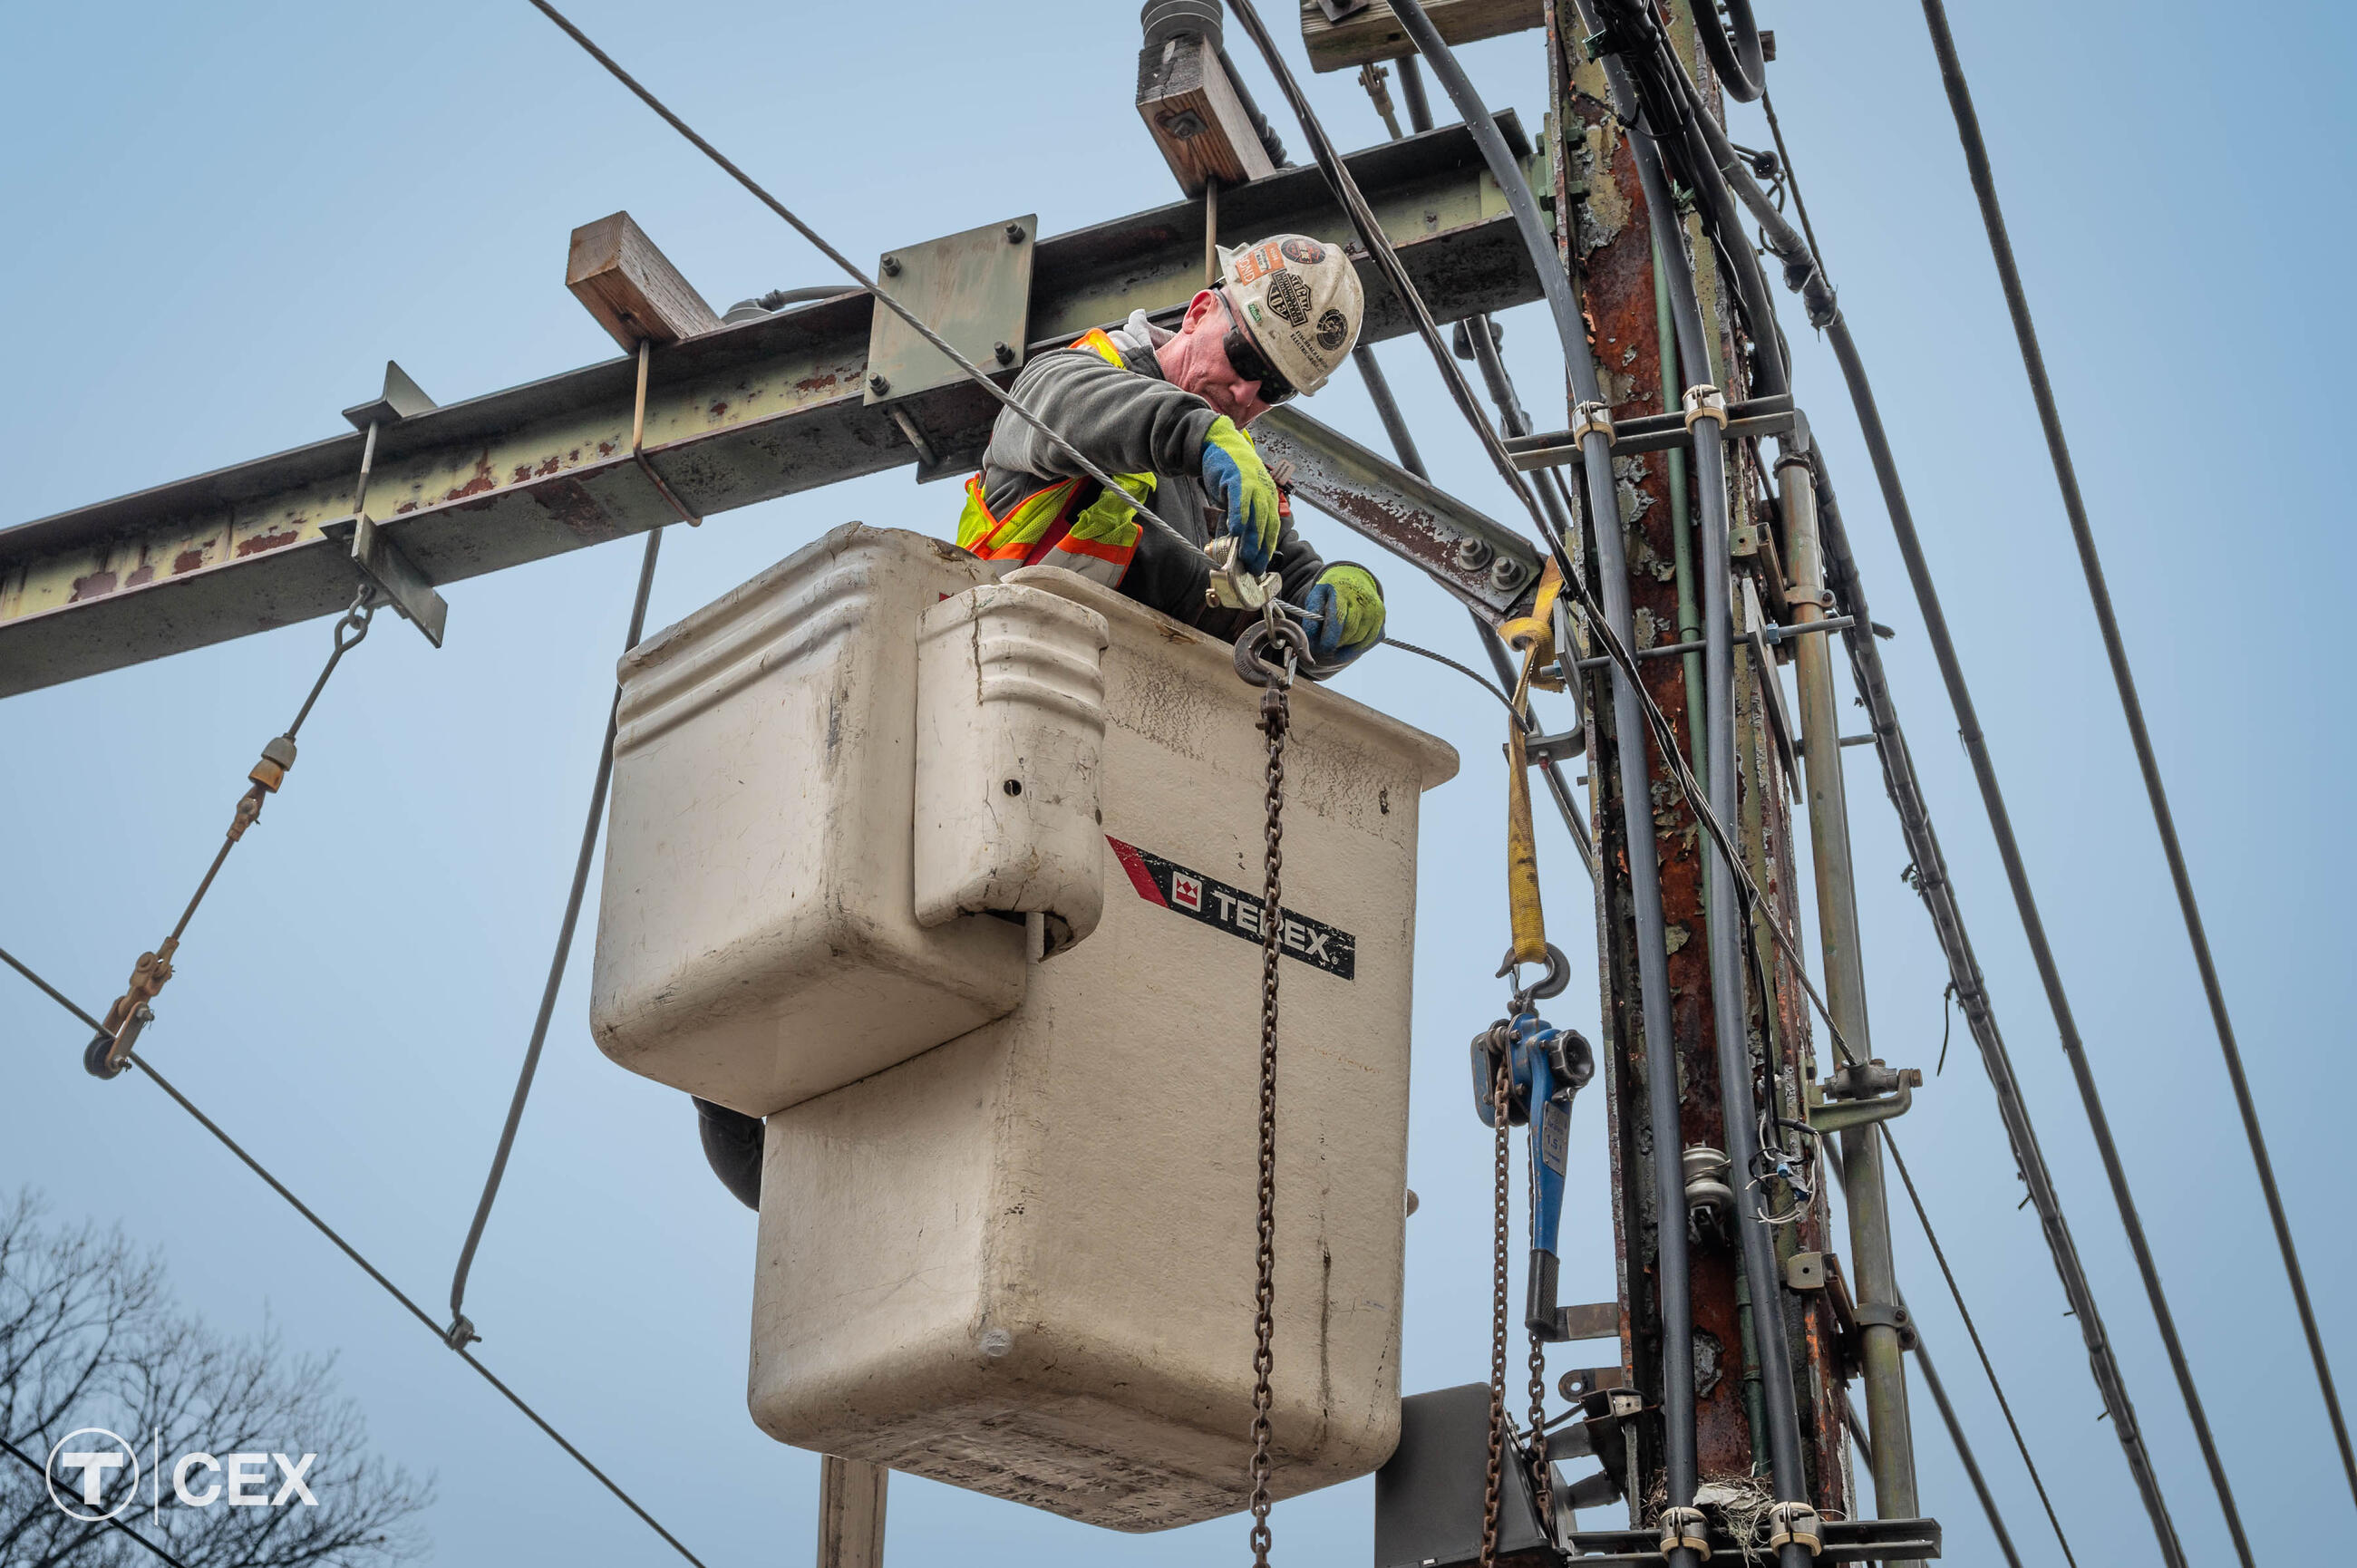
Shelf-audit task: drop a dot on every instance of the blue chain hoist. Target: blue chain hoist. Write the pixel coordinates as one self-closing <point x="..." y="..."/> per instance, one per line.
<point x="1528" y="1070"/>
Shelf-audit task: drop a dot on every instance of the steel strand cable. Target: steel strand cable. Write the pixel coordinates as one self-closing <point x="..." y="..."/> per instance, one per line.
<point x="1965" y="1452"/>
<point x="971" y="370"/>
<point x="1972" y="1330"/>
<point x="43" y="1471"/>
<point x="460" y="1332"/>
<point x="2075" y="505"/>
<point x="1948" y="1413"/>
<point x="51" y="992"/>
<point x="373" y="1273"/>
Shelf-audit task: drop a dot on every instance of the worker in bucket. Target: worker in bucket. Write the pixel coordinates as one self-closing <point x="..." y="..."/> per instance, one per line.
<point x="1164" y="412"/>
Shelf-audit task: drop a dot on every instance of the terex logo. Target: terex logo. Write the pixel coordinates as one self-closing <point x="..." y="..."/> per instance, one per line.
<point x="94" y="1474"/>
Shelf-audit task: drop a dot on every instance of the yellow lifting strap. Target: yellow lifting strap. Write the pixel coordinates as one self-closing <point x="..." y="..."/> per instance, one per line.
<point x="1522" y="844"/>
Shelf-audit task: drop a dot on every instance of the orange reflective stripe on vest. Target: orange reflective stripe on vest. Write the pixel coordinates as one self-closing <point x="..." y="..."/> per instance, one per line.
<point x="1072" y="524"/>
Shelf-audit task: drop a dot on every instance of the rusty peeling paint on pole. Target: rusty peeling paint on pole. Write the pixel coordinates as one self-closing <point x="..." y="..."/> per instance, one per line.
<point x="1609" y="246"/>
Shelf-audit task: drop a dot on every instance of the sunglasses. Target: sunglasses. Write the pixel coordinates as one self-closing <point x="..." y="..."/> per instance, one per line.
<point x="1251" y="365"/>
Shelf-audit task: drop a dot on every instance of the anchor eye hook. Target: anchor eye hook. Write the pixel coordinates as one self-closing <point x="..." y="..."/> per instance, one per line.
<point x="1558" y="978"/>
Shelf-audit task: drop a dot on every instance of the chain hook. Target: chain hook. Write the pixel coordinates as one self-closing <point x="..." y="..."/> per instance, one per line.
<point x="1558" y="978"/>
<point x="1258" y="644"/>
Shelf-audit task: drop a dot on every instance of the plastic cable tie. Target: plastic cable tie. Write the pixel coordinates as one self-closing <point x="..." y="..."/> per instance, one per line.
<point x="1592" y="417"/>
<point x="1796" y="1524"/>
<point x="1705" y="402"/>
<point x="1687" y="1527"/>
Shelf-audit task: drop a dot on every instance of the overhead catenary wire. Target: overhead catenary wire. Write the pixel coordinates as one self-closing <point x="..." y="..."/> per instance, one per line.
<point x="373" y="1273"/>
<point x="2074" y="506"/>
<point x="460" y="1331"/>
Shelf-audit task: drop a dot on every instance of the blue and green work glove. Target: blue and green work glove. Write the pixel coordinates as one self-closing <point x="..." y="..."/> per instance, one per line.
<point x="1349" y="604"/>
<point x="1235" y="477"/>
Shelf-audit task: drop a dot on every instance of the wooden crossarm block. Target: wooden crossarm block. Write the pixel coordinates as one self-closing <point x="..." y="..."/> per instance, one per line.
<point x="631" y="287"/>
<point x="1187" y="101"/>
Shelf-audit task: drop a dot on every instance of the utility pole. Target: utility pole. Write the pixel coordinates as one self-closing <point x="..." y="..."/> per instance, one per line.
<point x="1604" y="227"/>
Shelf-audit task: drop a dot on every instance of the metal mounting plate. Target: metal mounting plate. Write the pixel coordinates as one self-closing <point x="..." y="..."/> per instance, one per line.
<point x="973" y="288"/>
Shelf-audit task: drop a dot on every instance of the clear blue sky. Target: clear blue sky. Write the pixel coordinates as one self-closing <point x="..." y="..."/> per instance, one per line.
<point x="226" y="217"/>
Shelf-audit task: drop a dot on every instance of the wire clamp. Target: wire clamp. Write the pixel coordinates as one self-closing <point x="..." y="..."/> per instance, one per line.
<point x="1795" y="1524"/>
<point x="1595" y="417"/>
<point x="1705" y="402"/>
<point x="1685" y="1527"/>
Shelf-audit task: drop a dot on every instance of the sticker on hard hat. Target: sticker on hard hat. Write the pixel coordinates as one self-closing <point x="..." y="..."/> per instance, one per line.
<point x="1256" y="264"/>
<point x="1235" y="911"/>
<point x="1289" y="297"/>
<point x="1309" y="252"/>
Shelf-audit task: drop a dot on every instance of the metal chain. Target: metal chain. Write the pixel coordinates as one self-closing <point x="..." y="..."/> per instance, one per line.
<point x="1541" y="1482"/>
<point x="1276" y="714"/>
<point x="110" y="1049"/>
<point x="1501" y="1091"/>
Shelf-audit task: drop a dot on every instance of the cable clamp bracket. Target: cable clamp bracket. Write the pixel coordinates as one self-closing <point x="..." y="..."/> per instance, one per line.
<point x="1685" y="1527"/>
<point x="1595" y="417"/>
<point x="1874" y="1315"/>
<point x="1795" y="1524"/>
<point x="1705" y="402"/>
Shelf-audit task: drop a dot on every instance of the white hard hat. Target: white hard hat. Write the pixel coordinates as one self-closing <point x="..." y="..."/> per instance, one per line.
<point x="1300" y="300"/>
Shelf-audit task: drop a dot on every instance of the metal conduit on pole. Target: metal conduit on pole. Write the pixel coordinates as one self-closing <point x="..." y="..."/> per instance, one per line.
<point x="1873" y="1270"/>
<point x="2075" y="505"/>
<point x="1679" y="1463"/>
<point x="1723" y="912"/>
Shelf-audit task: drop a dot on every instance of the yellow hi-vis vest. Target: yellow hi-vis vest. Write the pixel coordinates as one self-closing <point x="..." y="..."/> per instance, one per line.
<point x="1073" y="523"/>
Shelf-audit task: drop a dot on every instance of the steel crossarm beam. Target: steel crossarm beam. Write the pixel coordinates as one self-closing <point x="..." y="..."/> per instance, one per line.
<point x="745" y="413"/>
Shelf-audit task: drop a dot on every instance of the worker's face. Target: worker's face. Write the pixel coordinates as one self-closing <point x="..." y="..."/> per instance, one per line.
<point x="1195" y="361"/>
